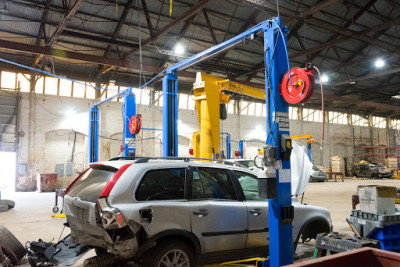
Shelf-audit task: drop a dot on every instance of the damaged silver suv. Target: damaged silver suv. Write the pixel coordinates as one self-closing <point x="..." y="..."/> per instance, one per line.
<point x="177" y="212"/>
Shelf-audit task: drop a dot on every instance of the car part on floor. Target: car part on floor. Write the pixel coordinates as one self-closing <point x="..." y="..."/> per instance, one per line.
<point x="102" y="260"/>
<point x="10" y="246"/>
<point x="337" y="243"/>
<point x="65" y="252"/>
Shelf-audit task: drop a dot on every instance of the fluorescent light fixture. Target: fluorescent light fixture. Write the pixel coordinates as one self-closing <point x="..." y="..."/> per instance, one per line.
<point x="324" y="78"/>
<point x="353" y="82"/>
<point x="379" y="63"/>
<point x="179" y="49"/>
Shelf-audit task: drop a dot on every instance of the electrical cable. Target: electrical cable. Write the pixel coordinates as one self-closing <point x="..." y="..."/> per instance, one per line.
<point x="323" y="108"/>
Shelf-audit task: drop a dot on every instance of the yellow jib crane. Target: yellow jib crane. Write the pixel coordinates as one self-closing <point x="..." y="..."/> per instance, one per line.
<point x="210" y="92"/>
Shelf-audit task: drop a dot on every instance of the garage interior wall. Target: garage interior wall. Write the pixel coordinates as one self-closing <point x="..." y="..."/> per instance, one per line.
<point x="48" y="137"/>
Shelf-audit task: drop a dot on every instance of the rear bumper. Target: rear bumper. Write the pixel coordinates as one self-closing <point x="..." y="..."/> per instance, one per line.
<point x="81" y="218"/>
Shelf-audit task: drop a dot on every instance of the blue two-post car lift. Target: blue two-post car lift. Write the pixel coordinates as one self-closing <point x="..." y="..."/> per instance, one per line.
<point x="276" y="63"/>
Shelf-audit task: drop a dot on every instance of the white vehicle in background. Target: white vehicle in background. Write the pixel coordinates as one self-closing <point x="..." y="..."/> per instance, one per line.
<point x="181" y="212"/>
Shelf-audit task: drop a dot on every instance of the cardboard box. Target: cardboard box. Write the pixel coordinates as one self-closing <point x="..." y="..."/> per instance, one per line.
<point x="377" y="199"/>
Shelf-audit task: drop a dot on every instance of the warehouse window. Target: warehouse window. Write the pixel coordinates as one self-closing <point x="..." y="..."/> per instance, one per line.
<point x="293" y="113"/>
<point x="24" y="82"/>
<point x="395" y="124"/>
<point x="244" y="107"/>
<point x="258" y="109"/>
<point x="39" y="88"/>
<point x="65" y="87"/>
<point x="90" y="91"/>
<point x="379" y="122"/>
<point x="144" y="97"/>
<point x="358" y="120"/>
<point x="8" y="80"/>
<point x="312" y="115"/>
<point x="158" y="98"/>
<point x="79" y="90"/>
<point x="51" y="86"/>
<point x="337" y="117"/>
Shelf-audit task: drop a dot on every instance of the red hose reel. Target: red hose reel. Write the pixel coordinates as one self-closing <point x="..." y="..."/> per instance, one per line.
<point x="135" y="124"/>
<point x="302" y="86"/>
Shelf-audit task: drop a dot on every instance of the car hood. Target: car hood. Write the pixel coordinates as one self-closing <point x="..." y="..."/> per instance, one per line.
<point x="301" y="169"/>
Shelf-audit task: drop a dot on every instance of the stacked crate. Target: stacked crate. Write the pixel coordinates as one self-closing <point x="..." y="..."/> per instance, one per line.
<point x="338" y="165"/>
<point x="391" y="164"/>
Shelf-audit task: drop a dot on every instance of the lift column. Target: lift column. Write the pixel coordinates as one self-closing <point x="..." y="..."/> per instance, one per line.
<point x="170" y="114"/>
<point x="129" y="108"/>
<point x="94" y="135"/>
<point x="280" y="208"/>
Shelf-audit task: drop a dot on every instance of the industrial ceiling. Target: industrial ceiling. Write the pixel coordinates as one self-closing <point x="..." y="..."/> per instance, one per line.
<point x="130" y="41"/>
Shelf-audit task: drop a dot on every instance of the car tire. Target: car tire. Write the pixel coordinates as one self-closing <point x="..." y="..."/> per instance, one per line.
<point x="172" y="251"/>
<point x="10" y="246"/>
<point x="102" y="260"/>
<point x="9" y="203"/>
<point x="3" y="208"/>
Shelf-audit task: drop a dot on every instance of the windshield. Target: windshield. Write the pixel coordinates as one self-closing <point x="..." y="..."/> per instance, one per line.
<point x="89" y="186"/>
<point x="246" y="163"/>
<point x="315" y="168"/>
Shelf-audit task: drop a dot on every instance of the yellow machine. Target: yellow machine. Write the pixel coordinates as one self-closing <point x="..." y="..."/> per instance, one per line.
<point x="210" y="92"/>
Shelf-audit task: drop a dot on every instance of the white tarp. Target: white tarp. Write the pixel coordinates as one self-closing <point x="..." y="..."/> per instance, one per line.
<point x="301" y="169"/>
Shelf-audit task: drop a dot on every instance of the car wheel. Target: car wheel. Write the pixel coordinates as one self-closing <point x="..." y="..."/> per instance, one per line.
<point x="170" y="253"/>
<point x="9" y="203"/>
<point x="10" y="246"/>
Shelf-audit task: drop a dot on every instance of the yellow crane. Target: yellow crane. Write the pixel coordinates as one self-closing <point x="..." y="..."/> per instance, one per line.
<point x="209" y="93"/>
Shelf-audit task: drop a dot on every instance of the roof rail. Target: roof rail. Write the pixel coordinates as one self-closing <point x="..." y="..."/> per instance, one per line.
<point x="121" y="158"/>
<point x="185" y="159"/>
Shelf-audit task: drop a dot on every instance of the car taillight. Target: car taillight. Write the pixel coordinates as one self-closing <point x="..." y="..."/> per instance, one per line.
<point x="76" y="179"/>
<point x="110" y="217"/>
<point x="109" y="186"/>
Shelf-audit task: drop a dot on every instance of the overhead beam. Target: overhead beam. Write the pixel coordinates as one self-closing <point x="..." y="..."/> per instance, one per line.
<point x="314" y="9"/>
<point x="349" y="23"/>
<point x="327" y="25"/>
<point x="210" y="29"/>
<point x="369" y="76"/>
<point x="180" y="36"/>
<point x="187" y="14"/>
<point x="43" y="22"/>
<point x="147" y="16"/>
<point x="362" y="35"/>
<point x="115" y="62"/>
<point x="63" y="24"/>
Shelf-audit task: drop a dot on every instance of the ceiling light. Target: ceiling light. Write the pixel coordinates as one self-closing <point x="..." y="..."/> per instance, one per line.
<point x="179" y="49"/>
<point x="379" y="63"/>
<point x="69" y="114"/>
<point x="324" y="78"/>
<point x="353" y="82"/>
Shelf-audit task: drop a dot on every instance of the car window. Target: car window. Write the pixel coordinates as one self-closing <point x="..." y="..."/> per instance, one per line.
<point x="89" y="186"/>
<point x="162" y="184"/>
<point x="249" y="185"/>
<point x="212" y="183"/>
<point x="246" y="163"/>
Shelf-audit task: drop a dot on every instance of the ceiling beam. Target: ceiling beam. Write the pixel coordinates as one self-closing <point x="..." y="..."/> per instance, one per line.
<point x="348" y="23"/>
<point x="314" y="9"/>
<point x="179" y="37"/>
<point x="115" y="62"/>
<point x="366" y="77"/>
<point x="210" y="29"/>
<point x="147" y="16"/>
<point x="329" y="26"/>
<point x="43" y="22"/>
<point x="187" y="14"/>
<point x="63" y="24"/>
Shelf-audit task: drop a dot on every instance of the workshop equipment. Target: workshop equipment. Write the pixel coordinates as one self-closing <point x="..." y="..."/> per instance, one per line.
<point x="242" y="145"/>
<point x="59" y="193"/>
<point x="336" y="243"/>
<point x="376" y="199"/>
<point x="280" y="208"/>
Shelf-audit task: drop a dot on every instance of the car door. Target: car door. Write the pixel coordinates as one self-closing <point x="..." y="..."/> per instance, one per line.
<point x="257" y="210"/>
<point x="218" y="218"/>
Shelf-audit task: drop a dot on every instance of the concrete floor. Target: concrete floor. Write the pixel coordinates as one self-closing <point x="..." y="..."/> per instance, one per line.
<point x="31" y="218"/>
